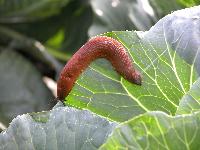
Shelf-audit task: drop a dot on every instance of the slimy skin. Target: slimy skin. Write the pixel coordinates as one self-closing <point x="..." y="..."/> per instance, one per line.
<point x="97" y="47"/>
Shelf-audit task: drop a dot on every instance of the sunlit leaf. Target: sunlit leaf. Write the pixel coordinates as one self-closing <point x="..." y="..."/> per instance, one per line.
<point x="156" y="130"/>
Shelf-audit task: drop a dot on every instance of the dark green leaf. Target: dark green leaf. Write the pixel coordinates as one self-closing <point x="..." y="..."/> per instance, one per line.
<point x="65" y="31"/>
<point x="20" y="10"/>
<point x="21" y="88"/>
<point x="78" y="17"/>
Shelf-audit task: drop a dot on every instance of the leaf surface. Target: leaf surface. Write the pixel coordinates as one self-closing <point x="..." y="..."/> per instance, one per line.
<point x="62" y="128"/>
<point x="167" y="62"/>
<point x="191" y="100"/>
<point x="156" y="130"/>
<point x="22" y="89"/>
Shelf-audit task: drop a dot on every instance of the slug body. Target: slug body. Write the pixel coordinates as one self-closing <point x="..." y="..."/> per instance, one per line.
<point x="98" y="47"/>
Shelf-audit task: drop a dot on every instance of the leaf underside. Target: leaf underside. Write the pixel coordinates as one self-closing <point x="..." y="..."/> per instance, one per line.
<point x="61" y="128"/>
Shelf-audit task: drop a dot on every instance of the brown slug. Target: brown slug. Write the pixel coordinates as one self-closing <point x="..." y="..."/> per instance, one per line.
<point x="97" y="47"/>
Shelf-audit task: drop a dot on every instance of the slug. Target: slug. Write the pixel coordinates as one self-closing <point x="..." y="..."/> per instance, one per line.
<point x="97" y="47"/>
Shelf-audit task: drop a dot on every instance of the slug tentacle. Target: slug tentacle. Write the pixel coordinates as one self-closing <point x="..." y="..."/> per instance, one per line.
<point x="97" y="47"/>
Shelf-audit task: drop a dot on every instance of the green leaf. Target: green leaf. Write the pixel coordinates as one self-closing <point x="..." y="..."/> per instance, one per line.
<point x="78" y="17"/>
<point x="20" y="10"/>
<point x="156" y="130"/>
<point x="22" y="89"/>
<point x="62" y="128"/>
<point x="40" y="30"/>
<point x="160" y="56"/>
<point x="61" y="31"/>
<point x="181" y="32"/>
<point x="191" y="100"/>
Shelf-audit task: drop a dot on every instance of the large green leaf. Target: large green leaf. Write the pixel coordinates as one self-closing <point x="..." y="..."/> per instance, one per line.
<point x="62" y="128"/>
<point x="191" y="100"/>
<point x="156" y="130"/>
<point x="22" y="89"/>
<point x="181" y="32"/>
<point x="160" y="56"/>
